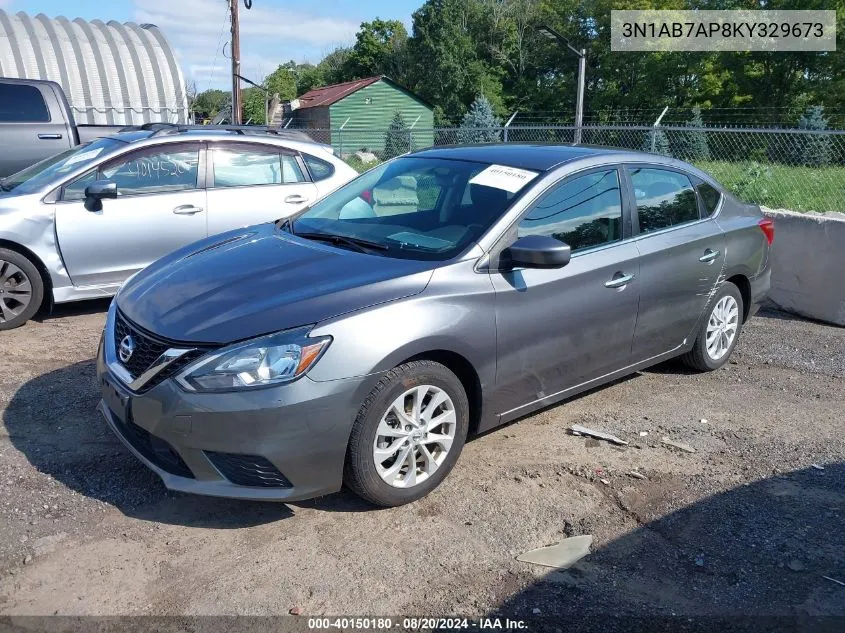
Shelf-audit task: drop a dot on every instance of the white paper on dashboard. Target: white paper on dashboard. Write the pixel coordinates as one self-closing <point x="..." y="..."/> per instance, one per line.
<point x="502" y="177"/>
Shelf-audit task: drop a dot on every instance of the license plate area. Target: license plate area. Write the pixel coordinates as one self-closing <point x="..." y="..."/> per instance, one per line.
<point x="115" y="398"/>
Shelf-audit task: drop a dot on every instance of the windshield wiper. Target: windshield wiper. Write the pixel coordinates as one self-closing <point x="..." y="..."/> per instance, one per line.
<point x="4" y="186"/>
<point x="356" y="243"/>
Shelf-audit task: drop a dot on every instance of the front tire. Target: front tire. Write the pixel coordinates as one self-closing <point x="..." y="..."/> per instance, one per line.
<point x="21" y="289"/>
<point x="719" y="332"/>
<point x="407" y="435"/>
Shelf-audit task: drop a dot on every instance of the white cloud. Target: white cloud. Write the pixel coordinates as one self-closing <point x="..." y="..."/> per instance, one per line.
<point x="199" y="31"/>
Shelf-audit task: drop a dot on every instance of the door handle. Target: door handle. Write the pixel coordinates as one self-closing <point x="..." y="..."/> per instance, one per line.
<point x="295" y="199"/>
<point x="618" y="282"/>
<point x="187" y="209"/>
<point x="709" y="256"/>
<point x="49" y="137"/>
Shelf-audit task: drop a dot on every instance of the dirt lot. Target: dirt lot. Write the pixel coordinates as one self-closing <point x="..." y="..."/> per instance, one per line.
<point x="745" y="525"/>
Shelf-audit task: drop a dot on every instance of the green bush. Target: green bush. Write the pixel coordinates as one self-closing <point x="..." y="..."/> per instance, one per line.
<point x="397" y="139"/>
<point x="480" y="124"/>
<point x="656" y="143"/>
<point x="692" y="145"/>
<point x="812" y="150"/>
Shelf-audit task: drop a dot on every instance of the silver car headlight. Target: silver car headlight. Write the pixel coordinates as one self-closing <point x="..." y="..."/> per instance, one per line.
<point x="261" y="362"/>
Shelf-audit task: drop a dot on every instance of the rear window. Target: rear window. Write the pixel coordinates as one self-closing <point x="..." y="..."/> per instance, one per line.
<point x="710" y="197"/>
<point x="320" y="169"/>
<point x="22" y="104"/>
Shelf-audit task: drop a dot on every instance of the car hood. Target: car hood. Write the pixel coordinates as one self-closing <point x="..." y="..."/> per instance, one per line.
<point x="254" y="281"/>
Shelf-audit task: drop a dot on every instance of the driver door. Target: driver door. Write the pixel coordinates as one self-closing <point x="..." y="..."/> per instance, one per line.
<point x="559" y="328"/>
<point x="160" y="207"/>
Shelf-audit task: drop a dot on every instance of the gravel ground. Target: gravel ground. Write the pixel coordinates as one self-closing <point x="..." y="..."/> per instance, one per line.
<point x="745" y="525"/>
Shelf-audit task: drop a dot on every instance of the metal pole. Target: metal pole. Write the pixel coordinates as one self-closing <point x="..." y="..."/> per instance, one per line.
<point x="508" y="124"/>
<point x="579" y="105"/>
<point x="236" y="63"/>
<point x="654" y="128"/>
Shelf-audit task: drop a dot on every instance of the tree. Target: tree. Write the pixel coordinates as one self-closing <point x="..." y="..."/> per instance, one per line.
<point x="445" y="63"/>
<point x="335" y="66"/>
<point x="379" y="50"/>
<point x="282" y="82"/>
<point x="480" y="124"/>
<point x="691" y="146"/>
<point x="254" y="106"/>
<point x="208" y="103"/>
<point x="812" y="150"/>
<point x="397" y="139"/>
<point x="656" y="142"/>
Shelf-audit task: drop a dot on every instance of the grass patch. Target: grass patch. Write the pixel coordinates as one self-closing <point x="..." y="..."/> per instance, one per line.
<point x="360" y="166"/>
<point x="782" y="186"/>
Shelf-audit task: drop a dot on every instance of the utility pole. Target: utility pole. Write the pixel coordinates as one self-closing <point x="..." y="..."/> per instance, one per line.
<point x="237" y="106"/>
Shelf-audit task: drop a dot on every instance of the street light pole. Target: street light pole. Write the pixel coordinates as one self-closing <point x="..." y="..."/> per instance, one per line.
<point x="579" y="101"/>
<point x="550" y="33"/>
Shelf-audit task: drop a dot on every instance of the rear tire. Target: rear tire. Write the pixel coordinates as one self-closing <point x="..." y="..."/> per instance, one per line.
<point x="21" y="289"/>
<point x="416" y="417"/>
<point x="718" y="332"/>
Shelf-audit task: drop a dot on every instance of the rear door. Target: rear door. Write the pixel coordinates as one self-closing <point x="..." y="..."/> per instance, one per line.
<point x="160" y="207"/>
<point x="681" y="257"/>
<point x="559" y="328"/>
<point x="28" y="132"/>
<point x="250" y="183"/>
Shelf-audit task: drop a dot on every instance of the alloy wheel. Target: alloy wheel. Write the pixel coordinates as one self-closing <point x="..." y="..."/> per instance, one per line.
<point x="15" y="291"/>
<point x="414" y="436"/>
<point x="721" y="327"/>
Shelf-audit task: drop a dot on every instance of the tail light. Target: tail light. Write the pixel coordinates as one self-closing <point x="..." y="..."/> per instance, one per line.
<point x="767" y="225"/>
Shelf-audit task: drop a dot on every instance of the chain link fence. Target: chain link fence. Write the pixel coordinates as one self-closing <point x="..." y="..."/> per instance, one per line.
<point x="795" y="169"/>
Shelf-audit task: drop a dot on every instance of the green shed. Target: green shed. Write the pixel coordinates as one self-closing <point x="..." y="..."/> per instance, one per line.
<point x="356" y="114"/>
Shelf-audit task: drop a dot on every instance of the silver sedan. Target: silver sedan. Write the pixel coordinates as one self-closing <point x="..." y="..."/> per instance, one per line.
<point x="78" y="224"/>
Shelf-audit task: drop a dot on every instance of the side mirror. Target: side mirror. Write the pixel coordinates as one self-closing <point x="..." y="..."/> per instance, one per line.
<point x="98" y="191"/>
<point x="538" y="251"/>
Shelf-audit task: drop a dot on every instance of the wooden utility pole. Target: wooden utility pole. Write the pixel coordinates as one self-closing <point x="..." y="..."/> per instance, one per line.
<point x="236" y="63"/>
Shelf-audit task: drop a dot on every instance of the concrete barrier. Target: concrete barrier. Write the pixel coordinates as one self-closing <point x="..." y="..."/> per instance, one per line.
<point x="808" y="264"/>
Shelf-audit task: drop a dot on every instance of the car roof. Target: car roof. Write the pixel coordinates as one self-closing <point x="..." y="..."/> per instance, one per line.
<point x="535" y="156"/>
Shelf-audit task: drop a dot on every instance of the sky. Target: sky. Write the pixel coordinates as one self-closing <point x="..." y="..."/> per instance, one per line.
<point x="272" y="32"/>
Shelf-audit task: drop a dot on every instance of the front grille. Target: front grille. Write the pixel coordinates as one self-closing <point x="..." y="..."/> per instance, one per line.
<point x="248" y="470"/>
<point x="153" y="448"/>
<point x="148" y="348"/>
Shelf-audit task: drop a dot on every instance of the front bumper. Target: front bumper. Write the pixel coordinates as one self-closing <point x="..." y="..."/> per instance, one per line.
<point x="287" y="443"/>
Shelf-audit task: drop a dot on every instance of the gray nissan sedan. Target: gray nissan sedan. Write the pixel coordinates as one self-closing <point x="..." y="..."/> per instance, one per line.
<point x="443" y="293"/>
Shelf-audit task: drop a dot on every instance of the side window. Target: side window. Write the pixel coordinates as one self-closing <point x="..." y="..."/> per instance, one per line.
<point x="291" y="172"/>
<point x="583" y="211"/>
<point x="160" y="170"/>
<point x="710" y="197"/>
<point x="238" y="167"/>
<point x="75" y="191"/>
<point x="664" y="198"/>
<point x="320" y="169"/>
<point x="22" y="104"/>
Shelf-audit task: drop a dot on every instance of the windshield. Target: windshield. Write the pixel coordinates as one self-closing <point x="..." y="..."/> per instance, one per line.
<point x="40" y="175"/>
<point x="415" y="207"/>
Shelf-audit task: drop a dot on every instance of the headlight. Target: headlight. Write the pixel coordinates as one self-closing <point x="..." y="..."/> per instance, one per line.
<point x="264" y="361"/>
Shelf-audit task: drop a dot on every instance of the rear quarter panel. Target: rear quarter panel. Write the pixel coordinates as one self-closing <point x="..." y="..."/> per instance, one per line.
<point x="746" y="249"/>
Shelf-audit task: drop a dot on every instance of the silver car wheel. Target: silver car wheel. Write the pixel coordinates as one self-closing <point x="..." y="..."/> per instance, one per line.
<point x="721" y="327"/>
<point x="414" y="436"/>
<point x="15" y="291"/>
